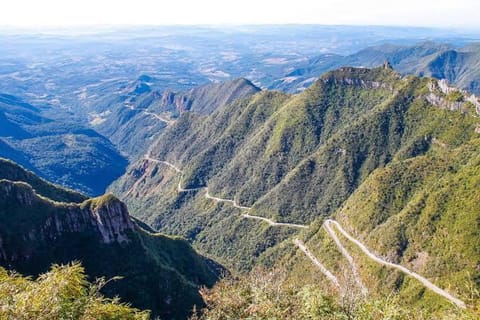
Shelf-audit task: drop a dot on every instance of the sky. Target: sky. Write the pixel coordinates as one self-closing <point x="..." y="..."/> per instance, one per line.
<point x="431" y="13"/>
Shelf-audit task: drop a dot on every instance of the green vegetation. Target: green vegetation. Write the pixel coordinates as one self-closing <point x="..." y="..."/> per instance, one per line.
<point x="57" y="147"/>
<point x="272" y="294"/>
<point x="131" y="129"/>
<point x="88" y="163"/>
<point x="262" y="149"/>
<point x="321" y="153"/>
<point x="455" y="96"/>
<point x="266" y="294"/>
<point x="423" y="213"/>
<point x="160" y="273"/>
<point x="9" y="170"/>
<point x="61" y="293"/>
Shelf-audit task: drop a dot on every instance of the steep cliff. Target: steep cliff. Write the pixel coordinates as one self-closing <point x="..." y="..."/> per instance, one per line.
<point x="159" y="273"/>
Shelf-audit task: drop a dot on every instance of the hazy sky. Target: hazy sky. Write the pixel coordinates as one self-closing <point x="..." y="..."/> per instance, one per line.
<point x="447" y="13"/>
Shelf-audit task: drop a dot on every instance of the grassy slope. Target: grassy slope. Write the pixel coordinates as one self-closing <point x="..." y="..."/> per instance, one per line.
<point x="423" y="213"/>
<point x="419" y="210"/>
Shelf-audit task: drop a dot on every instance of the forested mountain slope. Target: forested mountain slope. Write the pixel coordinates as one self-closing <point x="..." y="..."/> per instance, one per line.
<point x="306" y="157"/>
<point x="159" y="273"/>
<point x="55" y="146"/>
<point x="139" y="113"/>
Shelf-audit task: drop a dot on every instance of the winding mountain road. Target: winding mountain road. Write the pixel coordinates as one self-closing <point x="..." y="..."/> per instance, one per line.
<point x="275" y="224"/>
<point x="346" y="254"/>
<point x="149" y="158"/>
<point x="329" y="226"/>
<point x="167" y="121"/>
<point x="232" y="202"/>
<point x="320" y="266"/>
<point x="217" y="199"/>
<point x="180" y="189"/>
<point x="379" y="260"/>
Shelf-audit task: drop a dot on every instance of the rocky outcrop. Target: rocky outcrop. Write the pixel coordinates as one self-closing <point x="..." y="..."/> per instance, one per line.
<point x="158" y="272"/>
<point x="35" y="219"/>
<point x="111" y="219"/>
<point x="387" y="65"/>
<point x="360" y="79"/>
<point x="179" y="101"/>
<point x="20" y="193"/>
<point x="443" y="103"/>
<point x="440" y="92"/>
<point x="359" y="83"/>
<point x="475" y="101"/>
<point x="208" y="98"/>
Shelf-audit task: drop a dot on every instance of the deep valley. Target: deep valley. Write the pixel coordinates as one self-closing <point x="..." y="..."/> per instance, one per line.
<point x="257" y="172"/>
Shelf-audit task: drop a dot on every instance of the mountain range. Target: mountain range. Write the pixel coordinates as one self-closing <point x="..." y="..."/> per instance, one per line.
<point x="377" y="151"/>
<point x="457" y="65"/>
<point x="57" y="148"/>
<point x="139" y="114"/>
<point x="260" y="172"/>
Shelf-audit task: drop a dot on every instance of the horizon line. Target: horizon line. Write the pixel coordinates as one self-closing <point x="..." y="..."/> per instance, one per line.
<point x="250" y="24"/>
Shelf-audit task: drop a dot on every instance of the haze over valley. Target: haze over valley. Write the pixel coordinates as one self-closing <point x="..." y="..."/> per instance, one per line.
<point x="240" y="171"/>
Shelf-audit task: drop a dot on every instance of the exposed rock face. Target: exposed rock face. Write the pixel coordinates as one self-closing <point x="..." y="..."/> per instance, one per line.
<point x="476" y="101"/>
<point x="159" y="273"/>
<point x="38" y="219"/>
<point x="360" y="83"/>
<point x="441" y="102"/>
<point x="181" y="102"/>
<point x="443" y="85"/>
<point x="206" y="99"/>
<point x="112" y="221"/>
<point x="342" y="77"/>
<point x="440" y="89"/>
<point x="19" y="191"/>
<point x="167" y="98"/>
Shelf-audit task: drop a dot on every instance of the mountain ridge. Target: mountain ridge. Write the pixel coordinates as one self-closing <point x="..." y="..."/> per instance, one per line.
<point x="299" y="160"/>
<point x="438" y="60"/>
<point x="133" y="120"/>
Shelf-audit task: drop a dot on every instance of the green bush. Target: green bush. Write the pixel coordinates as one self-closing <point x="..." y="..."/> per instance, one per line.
<point x="61" y="293"/>
<point x="455" y="96"/>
